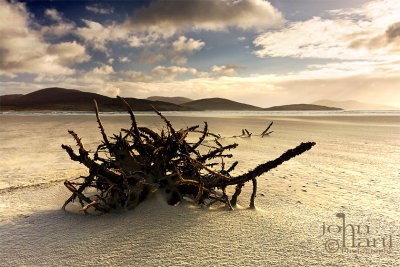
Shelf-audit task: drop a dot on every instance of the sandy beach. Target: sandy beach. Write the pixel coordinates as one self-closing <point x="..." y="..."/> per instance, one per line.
<point x="354" y="170"/>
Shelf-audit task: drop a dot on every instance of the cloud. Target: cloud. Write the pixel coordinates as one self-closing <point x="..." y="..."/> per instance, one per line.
<point x="97" y="35"/>
<point x="159" y="73"/>
<point x="176" y="52"/>
<point x="182" y="47"/>
<point x="68" y="53"/>
<point x="163" y="19"/>
<point x="110" y="89"/>
<point x="53" y="14"/>
<point x="183" y="44"/>
<point x="229" y="69"/>
<point x="97" y="74"/>
<point x="385" y="43"/>
<point x="59" y="28"/>
<point x="135" y="76"/>
<point x="179" y="60"/>
<point x="350" y="34"/>
<point x="148" y="57"/>
<point x="169" y="73"/>
<point x="99" y="10"/>
<point x="170" y="16"/>
<point x="24" y="50"/>
<point x="124" y="59"/>
<point x="317" y="37"/>
<point x="393" y="31"/>
<point x="103" y="70"/>
<point x="96" y="78"/>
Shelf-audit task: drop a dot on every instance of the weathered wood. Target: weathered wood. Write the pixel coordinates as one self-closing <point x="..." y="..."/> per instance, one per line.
<point x="265" y="132"/>
<point x="253" y="195"/>
<point x="235" y="195"/>
<point x="142" y="161"/>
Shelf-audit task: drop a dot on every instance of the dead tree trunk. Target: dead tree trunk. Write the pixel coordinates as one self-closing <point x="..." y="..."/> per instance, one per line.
<point x="129" y="166"/>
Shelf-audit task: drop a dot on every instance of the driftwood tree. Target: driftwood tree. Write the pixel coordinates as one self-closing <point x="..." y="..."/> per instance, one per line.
<point x="131" y="165"/>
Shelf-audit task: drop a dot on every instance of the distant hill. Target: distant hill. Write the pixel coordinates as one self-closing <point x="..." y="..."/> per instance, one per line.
<point x="218" y="104"/>
<point x="8" y="98"/>
<point x="354" y="105"/>
<point x="60" y="99"/>
<point x="178" y="100"/>
<point x="300" y="107"/>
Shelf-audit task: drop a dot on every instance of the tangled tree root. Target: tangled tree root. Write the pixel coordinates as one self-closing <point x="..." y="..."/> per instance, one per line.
<point x="138" y="161"/>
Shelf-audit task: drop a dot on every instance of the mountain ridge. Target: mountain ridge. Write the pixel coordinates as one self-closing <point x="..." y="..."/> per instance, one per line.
<point x="217" y="103"/>
<point x="178" y="100"/>
<point x="353" y="105"/>
<point x="307" y="107"/>
<point x="61" y="99"/>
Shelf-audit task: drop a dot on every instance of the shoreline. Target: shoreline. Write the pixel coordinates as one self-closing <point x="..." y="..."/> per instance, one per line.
<point x="221" y="112"/>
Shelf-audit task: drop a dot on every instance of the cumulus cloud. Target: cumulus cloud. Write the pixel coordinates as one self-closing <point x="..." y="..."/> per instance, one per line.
<point x="385" y="43"/>
<point x="176" y="52"/>
<point x="98" y="76"/>
<point x="59" y="27"/>
<point x="317" y="37"/>
<point x="229" y="69"/>
<point x="163" y="19"/>
<point x="99" y="10"/>
<point x="24" y="50"/>
<point x="393" y="32"/>
<point x="103" y="70"/>
<point x="148" y="57"/>
<point x="159" y="73"/>
<point x="183" y="44"/>
<point x="182" y="47"/>
<point x="135" y="76"/>
<point x="68" y="53"/>
<point x="172" y="16"/>
<point x="179" y="60"/>
<point x="53" y="14"/>
<point x="350" y="34"/>
<point x="124" y="59"/>
<point x="110" y="89"/>
<point x="56" y="30"/>
<point x="98" y="35"/>
<point x="169" y="73"/>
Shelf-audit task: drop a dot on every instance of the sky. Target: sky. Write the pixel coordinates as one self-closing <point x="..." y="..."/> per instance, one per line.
<point x="258" y="52"/>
